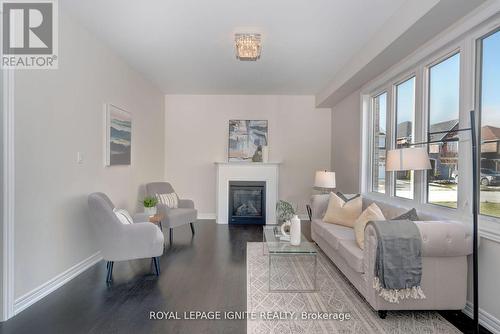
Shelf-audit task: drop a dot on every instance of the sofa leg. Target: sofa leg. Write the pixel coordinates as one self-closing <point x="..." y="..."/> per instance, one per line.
<point x="156" y="261"/>
<point x="192" y="228"/>
<point x="382" y="314"/>
<point x="109" y="275"/>
<point x="171" y="235"/>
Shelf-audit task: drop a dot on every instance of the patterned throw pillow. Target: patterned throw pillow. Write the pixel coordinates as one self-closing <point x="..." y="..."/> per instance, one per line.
<point x="343" y="212"/>
<point x="123" y="216"/>
<point x="371" y="213"/>
<point x="169" y="200"/>
<point x="410" y="215"/>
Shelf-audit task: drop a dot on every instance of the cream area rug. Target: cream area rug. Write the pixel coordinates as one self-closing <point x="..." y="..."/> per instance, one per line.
<point x="335" y="307"/>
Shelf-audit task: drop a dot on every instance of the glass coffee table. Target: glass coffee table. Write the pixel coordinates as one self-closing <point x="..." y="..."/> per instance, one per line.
<point x="291" y="268"/>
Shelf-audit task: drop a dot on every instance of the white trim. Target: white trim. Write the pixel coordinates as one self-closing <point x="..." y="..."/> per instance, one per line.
<point x="8" y="195"/>
<point x="486" y="320"/>
<point x="55" y="283"/>
<point x="211" y="216"/>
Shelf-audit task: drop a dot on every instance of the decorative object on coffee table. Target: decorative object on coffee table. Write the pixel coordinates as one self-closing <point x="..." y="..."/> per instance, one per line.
<point x="284" y="211"/>
<point x="295" y="234"/>
<point x="246" y="139"/>
<point x="149" y="203"/>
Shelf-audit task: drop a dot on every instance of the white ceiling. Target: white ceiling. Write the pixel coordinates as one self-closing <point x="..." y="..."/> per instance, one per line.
<point x="187" y="46"/>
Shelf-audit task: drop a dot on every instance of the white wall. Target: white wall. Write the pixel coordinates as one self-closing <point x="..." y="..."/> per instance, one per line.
<point x="346" y="143"/>
<point x="196" y="136"/>
<point x="58" y="113"/>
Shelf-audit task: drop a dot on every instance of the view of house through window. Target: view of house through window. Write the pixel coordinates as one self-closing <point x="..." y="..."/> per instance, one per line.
<point x="444" y="92"/>
<point x="490" y="126"/>
<point x="379" y="142"/>
<point x="405" y="114"/>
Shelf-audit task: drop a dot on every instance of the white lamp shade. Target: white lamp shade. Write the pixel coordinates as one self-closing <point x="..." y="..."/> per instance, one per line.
<point x="415" y="158"/>
<point x="324" y="179"/>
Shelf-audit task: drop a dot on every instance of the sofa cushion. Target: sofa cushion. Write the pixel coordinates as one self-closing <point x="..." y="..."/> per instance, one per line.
<point x="352" y="254"/>
<point x="333" y="233"/>
<point x="343" y="212"/>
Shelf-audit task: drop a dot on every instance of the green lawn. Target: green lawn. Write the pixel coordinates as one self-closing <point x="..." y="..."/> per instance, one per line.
<point x="487" y="208"/>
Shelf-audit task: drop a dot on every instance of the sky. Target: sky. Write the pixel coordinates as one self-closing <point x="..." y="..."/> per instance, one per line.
<point x="445" y="88"/>
<point x="491" y="81"/>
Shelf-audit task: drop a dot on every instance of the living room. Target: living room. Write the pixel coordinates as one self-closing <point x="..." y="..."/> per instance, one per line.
<point x="259" y="167"/>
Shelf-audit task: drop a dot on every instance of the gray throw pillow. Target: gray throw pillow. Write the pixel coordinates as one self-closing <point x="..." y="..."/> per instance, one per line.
<point x="410" y="215"/>
<point x="344" y="197"/>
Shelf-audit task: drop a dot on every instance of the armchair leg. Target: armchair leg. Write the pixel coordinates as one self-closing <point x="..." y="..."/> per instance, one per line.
<point x="192" y="228"/>
<point x="109" y="275"/>
<point x="171" y="235"/>
<point x="156" y="261"/>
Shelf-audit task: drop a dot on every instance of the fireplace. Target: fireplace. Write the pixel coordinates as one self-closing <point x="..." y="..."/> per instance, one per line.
<point x="247" y="202"/>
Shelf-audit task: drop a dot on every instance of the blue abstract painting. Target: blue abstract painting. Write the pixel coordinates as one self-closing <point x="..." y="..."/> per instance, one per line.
<point x="246" y="139"/>
<point x="119" y="133"/>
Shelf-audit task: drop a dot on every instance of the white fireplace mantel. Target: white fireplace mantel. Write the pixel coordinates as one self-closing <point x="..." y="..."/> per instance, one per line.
<point x="246" y="171"/>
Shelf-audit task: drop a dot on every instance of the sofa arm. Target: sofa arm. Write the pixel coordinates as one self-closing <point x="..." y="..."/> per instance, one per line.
<point x="445" y="238"/>
<point x="319" y="204"/>
<point x="439" y="239"/>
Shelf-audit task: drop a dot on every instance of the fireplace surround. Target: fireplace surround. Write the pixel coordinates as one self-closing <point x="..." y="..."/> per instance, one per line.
<point x="226" y="172"/>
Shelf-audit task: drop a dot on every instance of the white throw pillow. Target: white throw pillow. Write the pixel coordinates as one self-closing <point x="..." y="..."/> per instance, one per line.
<point x="169" y="200"/>
<point x="123" y="216"/>
<point x="342" y="212"/>
<point x="371" y="213"/>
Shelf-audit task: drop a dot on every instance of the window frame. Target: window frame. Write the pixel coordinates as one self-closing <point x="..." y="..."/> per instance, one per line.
<point x="394" y="123"/>
<point x="464" y="39"/>
<point x="445" y="55"/>
<point x="372" y="136"/>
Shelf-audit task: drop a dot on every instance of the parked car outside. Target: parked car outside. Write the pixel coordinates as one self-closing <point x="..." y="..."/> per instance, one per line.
<point x="488" y="177"/>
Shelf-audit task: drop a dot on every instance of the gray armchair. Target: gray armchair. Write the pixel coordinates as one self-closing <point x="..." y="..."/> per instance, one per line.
<point x="183" y="215"/>
<point x="121" y="242"/>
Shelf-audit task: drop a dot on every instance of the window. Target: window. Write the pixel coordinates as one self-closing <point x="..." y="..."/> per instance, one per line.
<point x="405" y="133"/>
<point x="444" y="93"/>
<point x="490" y="125"/>
<point x="379" y="142"/>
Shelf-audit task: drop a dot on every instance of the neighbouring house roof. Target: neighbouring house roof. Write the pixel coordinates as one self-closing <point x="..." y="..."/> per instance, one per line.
<point x="490" y="133"/>
<point x="442" y="126"/>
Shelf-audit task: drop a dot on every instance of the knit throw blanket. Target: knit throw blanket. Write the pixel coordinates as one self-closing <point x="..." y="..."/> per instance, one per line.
<point x="398" y="260"/>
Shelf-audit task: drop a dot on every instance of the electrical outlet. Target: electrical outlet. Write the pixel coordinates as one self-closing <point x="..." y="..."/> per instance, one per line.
<point x="79" y="158"/>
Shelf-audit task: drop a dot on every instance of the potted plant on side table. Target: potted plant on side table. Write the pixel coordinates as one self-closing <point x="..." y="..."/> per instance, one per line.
<point x="149" y="203"/>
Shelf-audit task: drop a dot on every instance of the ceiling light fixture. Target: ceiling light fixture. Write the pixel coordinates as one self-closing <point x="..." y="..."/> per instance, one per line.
<point x="248" y="46"/>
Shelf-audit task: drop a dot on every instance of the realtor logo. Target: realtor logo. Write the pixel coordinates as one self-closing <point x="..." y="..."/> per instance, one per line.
<point x="29" y="39"/>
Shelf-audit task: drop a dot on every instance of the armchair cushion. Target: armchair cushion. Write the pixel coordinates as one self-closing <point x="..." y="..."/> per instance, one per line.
<point x="176" y="217"/>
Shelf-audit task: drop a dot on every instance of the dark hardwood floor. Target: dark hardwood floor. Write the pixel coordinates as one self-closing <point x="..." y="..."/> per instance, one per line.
<point x="206" y="273"/>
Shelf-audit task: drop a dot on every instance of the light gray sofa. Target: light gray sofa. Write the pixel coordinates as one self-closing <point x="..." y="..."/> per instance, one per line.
<point x="445" y="244"/>
<point x="183" y="215"/>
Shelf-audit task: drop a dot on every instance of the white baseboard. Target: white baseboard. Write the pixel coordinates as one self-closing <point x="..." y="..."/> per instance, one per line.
<point x="55" y="283"/>
<point x="485" y="319"/>
<point x="206" y="216"/>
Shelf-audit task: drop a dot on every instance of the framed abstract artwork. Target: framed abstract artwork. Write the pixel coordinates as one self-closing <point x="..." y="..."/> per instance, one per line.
<point x="118" y="136"/>
<point x="246" y="139"/>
